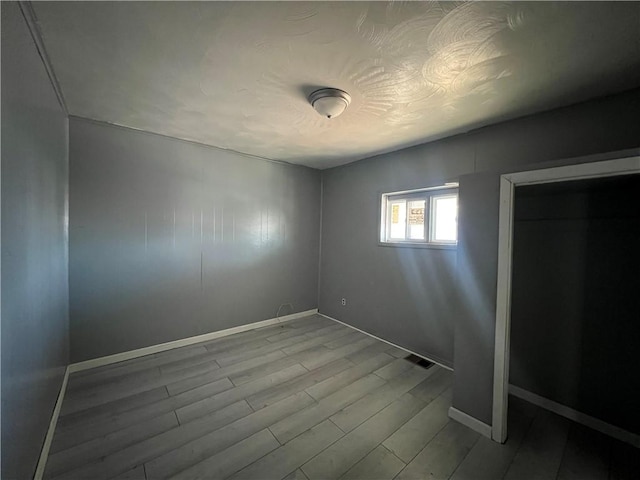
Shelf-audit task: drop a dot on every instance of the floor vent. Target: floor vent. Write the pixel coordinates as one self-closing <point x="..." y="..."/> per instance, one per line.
<point x="419" y="361"/>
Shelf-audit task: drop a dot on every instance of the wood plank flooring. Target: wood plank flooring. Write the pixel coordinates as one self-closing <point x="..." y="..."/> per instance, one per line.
<point x="307" y="399"/>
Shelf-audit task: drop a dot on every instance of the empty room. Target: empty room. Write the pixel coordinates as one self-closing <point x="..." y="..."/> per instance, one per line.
<point x="320" y="240"/>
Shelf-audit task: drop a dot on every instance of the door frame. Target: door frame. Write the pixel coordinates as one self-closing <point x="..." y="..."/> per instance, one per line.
<point x="508" y="182"/>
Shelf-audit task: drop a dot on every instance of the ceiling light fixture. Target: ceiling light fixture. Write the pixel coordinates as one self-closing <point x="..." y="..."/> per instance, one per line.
<point x="329" y="102"/>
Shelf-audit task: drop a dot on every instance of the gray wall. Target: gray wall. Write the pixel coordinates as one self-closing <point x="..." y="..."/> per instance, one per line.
<point x="404" y="295"/>
<point x="170" y="239"/>
<point x="575" y="303"/>
<point x="442" y="304"/>
<point x="34" y="247"/>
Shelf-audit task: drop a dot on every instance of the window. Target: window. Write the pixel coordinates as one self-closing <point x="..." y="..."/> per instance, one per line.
<point x="425" y="217"/>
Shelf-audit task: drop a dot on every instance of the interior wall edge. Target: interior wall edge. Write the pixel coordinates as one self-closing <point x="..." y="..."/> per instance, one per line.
<point x="48" y="439"/>
<point x="31" y="20"/>
<point x="320" y="238"/>
<point x="576" y="416"/>
<point x="433" y="359"/>
<point x="472" y="135"/>
<point x="468" y="421"/>
<point x="192" y="142"/>
<point x="183" y="342"/>
<point x="569" y="161"/>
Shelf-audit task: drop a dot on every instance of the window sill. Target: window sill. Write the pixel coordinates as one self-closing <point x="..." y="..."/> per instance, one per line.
<point x="435" y="246"/>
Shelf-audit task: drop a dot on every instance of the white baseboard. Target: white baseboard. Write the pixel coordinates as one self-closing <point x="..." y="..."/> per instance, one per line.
<point x="183" y="342"/>
<point x="571" y="414"/>
<point x="44" y="453"/>
<point x="437" y="362"/>
<point x="471" y="422"/>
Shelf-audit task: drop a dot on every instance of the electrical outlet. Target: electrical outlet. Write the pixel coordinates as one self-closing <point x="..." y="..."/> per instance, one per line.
<point x="344" y="302"/>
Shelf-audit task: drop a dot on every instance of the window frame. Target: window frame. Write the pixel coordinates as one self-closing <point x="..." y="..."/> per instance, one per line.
<point x="426" y="194"/>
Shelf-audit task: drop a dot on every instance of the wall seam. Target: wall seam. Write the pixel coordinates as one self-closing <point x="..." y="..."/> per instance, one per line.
<point x="320" y="241"/>
<point x="68" y="235"/>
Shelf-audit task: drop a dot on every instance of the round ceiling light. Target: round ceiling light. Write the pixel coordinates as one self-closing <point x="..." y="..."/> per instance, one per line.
<point x="330" y="102"/>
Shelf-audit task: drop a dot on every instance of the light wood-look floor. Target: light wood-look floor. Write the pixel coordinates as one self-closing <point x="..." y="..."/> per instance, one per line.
<point x="308" y="399"/>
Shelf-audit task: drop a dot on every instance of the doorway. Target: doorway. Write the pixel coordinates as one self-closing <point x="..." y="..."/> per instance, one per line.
<point x="508" y="185"/>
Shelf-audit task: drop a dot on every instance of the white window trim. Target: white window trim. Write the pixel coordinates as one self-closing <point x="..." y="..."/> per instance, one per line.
<point x="431" y="224"/>
<point x="426" y="193"/>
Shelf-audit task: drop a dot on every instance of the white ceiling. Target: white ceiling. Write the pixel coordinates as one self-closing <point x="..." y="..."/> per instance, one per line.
<point x="237" y="75"/>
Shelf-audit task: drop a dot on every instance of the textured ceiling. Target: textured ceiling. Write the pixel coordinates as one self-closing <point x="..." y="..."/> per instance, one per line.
<point x="236" y="75"/>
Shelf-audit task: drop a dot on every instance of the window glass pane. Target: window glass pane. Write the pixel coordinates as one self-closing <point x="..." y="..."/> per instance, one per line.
<point x="420" y="217"/>
<point x="445" y="219"/>
<point x="398" y="217"/>
<point x="416" y="219"/>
